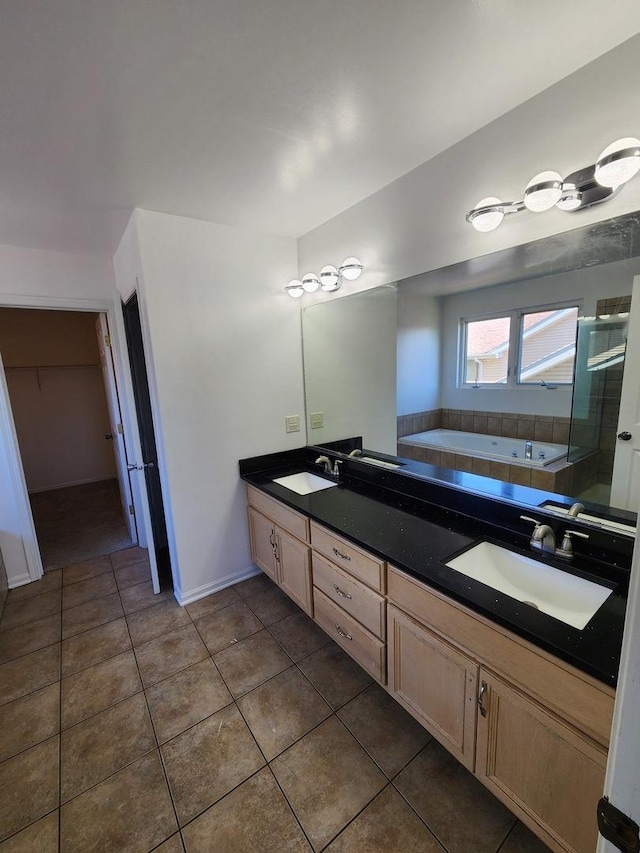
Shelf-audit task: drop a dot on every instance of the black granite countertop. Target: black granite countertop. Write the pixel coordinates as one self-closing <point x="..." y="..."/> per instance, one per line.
<point x="419" y="537"/>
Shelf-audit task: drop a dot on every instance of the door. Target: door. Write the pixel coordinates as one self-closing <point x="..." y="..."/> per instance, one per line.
<point x="262" y="536"/>
<point x="115" y="423"/>
<point x="625" y="486"/>
<point x="149" y="468"/>
<point x="435" y="682"/>
<point x="295" y="570"/>
<point x="547" y="773"/>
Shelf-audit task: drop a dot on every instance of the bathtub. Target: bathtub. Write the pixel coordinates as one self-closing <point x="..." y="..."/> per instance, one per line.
<point x="511" y="450"/>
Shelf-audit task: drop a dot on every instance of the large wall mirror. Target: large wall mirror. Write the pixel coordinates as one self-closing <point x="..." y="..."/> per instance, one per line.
<point x="525" y="346"/>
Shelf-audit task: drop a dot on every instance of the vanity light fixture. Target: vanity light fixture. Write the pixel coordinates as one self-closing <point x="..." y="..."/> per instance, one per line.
<point x="616" y="165"/>
<point x="330" y="278"/>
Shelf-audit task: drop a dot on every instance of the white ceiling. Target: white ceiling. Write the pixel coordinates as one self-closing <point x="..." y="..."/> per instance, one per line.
<point x="273" y="115"/>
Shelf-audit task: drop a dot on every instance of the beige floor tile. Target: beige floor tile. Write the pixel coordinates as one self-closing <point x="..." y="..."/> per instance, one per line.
<point x="129" y="557"/>
<point x="132" y="575"/>
<point x="389" y="734"/>
<point x="28" y="786"/>
<point x="152" y="622"/>
<point x="521" y="840"/>
<point x="187" y="698"/>
<point x="29" y="609"/>
<point x="298" y="635"/>
<point x="387" y="824"/>
<point x="48" y="582"/>
<point x="171" y="845"/>
<point x="29" y="720"/>
<point x="142" y="595"/>
<point x="250" y="662"/>
<point x="440" y="790"/>
<point x="98" y="687"/>
<point x="114" y="817"/>
<point x="254" y="585"/>
<point x="85" y="570"/>
<point x="28" y="673"/>
<point x="272" y="605"/>
<point x="282" y="710"/>
<point x="327" y="778"/>
<point x="77" y="593"/>
<point x="40" y="837"/>
<point x="29" y="638"/>
<point x="208" y="760"/>
<point x="169" y="654"/>
<point x="228" y="626"/>
<point x="335" y="675"/>
<point x="213" y="603"/>
<point x="91" y="614"/>
<point x="255" y="818"/>
<point x="105" y="743"/>
<point x="93" y="646"/>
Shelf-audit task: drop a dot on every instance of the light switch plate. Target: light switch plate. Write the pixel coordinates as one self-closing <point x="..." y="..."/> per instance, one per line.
<point x="292" y="423"/>
<point x="317" y="420"/>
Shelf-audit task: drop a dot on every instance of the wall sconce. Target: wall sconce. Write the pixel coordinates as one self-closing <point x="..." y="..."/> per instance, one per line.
<point x="616" y="165"/>
<point x="330" y="278"/>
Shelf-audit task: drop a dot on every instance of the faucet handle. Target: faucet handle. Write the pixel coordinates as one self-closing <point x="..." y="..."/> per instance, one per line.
<point x="566" y="547"/>
<point x="579" y="533"/>
<point x="532" y="520"/>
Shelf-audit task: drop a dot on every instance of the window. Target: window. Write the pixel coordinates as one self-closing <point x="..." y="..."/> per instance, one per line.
<point x="522" y="347"/>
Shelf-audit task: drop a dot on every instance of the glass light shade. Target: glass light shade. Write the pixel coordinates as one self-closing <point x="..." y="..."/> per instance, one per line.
<point x="618" y="163"/>
<point x="329" y="278"/>
<point x="351" y="269"/>
<point x="490" y="219"/>
<point x="571" y="198"/>
<point x="295" y="288"/>
<point x="543" y="191"/>
<point x="310" y="282"/>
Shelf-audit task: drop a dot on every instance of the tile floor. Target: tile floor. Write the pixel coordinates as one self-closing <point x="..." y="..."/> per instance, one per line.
<point x="128" y="723"/>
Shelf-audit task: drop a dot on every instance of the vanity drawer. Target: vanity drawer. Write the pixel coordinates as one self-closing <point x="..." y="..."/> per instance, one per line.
<point x="352" y="559"/>
<point x="287" y="519"/>
<point x="358" y="600"/>
<point x="359" y="643"/>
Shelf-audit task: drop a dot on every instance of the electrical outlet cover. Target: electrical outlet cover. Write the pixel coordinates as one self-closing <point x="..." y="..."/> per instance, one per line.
<point x="292" y="423"/>
<point x="317" y="420"/>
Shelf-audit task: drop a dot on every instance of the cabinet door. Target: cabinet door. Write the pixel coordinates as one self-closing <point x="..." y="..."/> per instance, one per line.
<point x="435" y="682"/>
<point x="262" y="536"/>
<point x="549" y="774"/>
<point x="294" y="570"/>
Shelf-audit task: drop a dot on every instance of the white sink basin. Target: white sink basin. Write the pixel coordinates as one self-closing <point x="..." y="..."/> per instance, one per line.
<point x="567" y="597"/>
<point x="305" y="483"/>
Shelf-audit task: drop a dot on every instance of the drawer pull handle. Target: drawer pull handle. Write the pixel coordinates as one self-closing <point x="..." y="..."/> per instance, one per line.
<point x="483" y="690"/>
<point x="342" y="556"/>
<point x="340" y="592"/>
<point x="343" y="633"/>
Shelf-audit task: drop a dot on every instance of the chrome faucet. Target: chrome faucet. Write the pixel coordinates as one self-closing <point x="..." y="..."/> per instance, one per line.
<point x="528" y="449"/>
<point x="356" y="452"/>
<point x="331" y="471"/>
<point x="575" y="510"/>
<point x="543" y="538"/>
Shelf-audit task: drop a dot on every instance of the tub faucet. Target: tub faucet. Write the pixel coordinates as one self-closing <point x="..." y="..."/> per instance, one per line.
<point x="528" y="449"/>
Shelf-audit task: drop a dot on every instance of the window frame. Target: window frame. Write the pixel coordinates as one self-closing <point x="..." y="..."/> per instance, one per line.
<point x="516" y="323"/>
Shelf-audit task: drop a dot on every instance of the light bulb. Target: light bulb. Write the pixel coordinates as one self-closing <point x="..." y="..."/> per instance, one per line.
<point x="486" y="220"/>
<point x="310" y="282"/>
<point x="295" y="288"/>
<point x="329" y="278"/>
<point x="570" y="199"/>
<point x="618" y="163"/>
<point x="351" y="269"/>
<point x="543" y="191"/>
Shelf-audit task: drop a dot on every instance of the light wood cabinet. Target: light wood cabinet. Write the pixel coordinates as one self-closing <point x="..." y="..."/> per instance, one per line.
<point x="365" y="605"/>
<point x="283" y="557"/>
<point x="545" y="771"/>
<point x="435" y="682"/>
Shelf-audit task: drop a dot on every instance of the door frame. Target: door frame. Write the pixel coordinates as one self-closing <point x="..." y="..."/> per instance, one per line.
<point x="110" y="307"/>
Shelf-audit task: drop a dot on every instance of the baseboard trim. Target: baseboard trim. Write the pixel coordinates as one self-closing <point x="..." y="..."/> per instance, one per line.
<point x="215" y="586"/>
<point x="20" y="580"/>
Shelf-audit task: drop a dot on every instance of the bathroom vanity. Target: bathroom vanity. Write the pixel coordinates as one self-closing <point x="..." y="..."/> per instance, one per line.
<point x="522" y="699"/>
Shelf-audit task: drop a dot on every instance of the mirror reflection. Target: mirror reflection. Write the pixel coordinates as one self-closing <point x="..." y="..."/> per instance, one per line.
<point x="519" y="380"/>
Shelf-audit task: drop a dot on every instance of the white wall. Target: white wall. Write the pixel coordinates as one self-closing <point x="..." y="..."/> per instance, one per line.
<point x="418" y="350"/>
<point x="226" y="369"/>
<point x="350" y="368"/>
<point x="587" y="285"/>
<point x="417" y="222"/>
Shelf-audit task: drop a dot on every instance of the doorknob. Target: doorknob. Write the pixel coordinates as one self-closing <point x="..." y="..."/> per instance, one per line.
<point x="141" y="467"/>
<point x="132" y="467"/>
<point x="624" y="436"/>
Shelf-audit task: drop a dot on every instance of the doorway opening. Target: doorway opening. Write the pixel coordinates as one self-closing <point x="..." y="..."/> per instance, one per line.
<point x="60" y="378"/>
